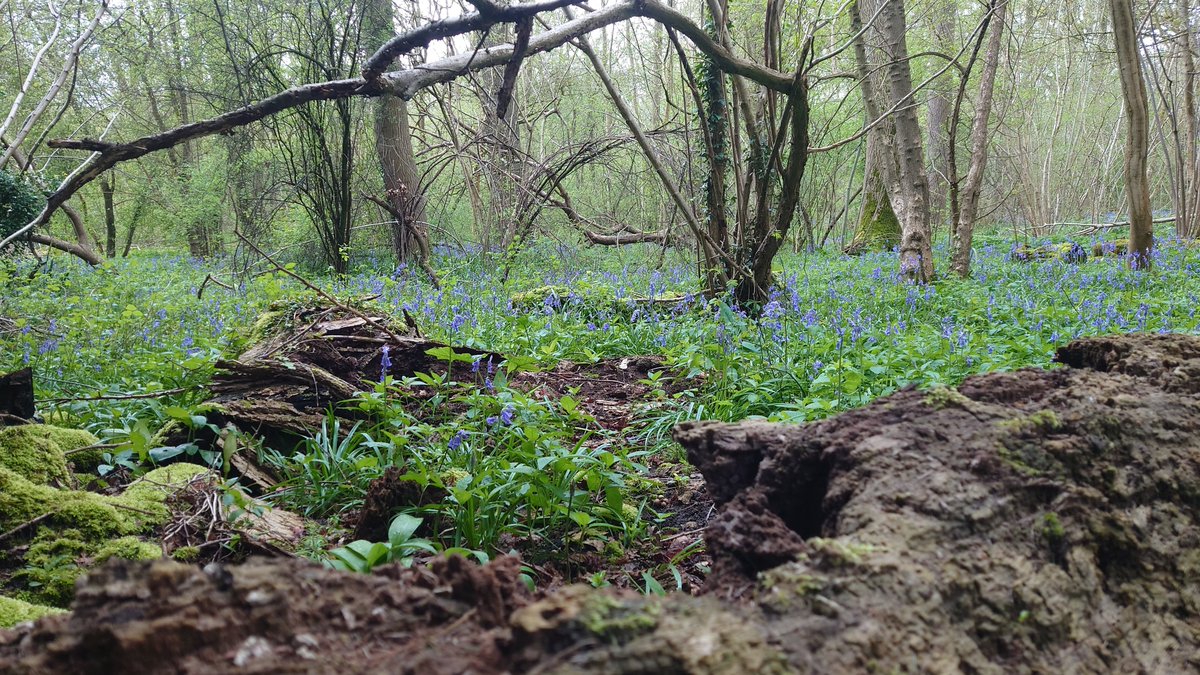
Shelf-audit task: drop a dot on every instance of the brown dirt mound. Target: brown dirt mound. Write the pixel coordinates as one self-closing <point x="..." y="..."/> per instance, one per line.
<point x="1028" y="522"/>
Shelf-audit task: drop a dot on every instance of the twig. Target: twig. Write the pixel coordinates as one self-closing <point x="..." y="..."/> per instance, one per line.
<point x="135" y="509"/>
<point x="215" y="282"/>
<point x="25" y="525"/>
<point x="97" y="446"/>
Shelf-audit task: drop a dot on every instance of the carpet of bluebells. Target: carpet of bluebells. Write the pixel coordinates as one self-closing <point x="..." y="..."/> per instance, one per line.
<point x="837" y="332"/>
<point x="125" y="348"/>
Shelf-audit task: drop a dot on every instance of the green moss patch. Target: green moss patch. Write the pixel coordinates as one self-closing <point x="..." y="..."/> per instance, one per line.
<point x="14" y="611"/>
<point x="75" y="529"/>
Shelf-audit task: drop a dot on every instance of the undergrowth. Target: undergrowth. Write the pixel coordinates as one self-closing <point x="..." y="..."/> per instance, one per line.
<point x="836" y="333"/>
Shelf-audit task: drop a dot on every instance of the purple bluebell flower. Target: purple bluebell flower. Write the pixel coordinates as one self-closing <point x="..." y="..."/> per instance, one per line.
<point x="506" y="415"/>
<point x="456" y="441"/>
<point x="384" y="364"/>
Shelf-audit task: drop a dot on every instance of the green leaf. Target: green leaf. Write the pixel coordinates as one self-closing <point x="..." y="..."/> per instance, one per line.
<point x="402" y="528"/>
<point x="449" y="354"/>
<point x="568" y="403"/>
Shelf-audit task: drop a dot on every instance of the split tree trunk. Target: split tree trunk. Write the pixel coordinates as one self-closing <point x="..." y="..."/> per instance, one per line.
<point x="883" y="45"/>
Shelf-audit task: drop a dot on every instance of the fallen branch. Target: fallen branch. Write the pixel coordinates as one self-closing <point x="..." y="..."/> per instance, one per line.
<point x="210" y="279"/>
<point x="1093" y="228"/>
<point x="620" y="239"/>
<point x="115" y="397"/>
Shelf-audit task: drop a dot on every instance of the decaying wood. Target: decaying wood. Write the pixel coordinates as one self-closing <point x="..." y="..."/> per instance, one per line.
<point x="620" y="238"/>
<point x="16" y="395"/>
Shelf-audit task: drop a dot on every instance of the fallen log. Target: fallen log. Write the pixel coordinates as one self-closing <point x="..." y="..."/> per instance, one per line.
<point x="623" y="238"/>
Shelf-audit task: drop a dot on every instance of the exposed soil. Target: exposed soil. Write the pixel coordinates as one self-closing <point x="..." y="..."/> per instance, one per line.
<point x="1036" y="521"/>
<point x="607" y="390"/>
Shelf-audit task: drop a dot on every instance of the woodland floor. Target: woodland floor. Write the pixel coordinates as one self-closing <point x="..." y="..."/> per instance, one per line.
<point x="1035" y="521"/>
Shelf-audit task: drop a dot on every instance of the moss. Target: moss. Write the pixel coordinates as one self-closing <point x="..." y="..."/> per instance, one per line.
<point x="21" y="501"/>
<point x="189" y="554"/>
<point x="1042" y="420"/>
<point x="84" y="528"/>
<point x="149" y="494"/>
<point x="943" y="397"/>
<point x="72" y="442"/>
<point x="57" y="558"/>
<point x="878" y="229"/>
<point x="612" y="620"/>
<point x="1067" y="251"/>
<point x="52" y="564"/>
<point x="1110" y="248"/>
<point x="128" y="548"/>
<point x="267" y="324"/>
<point x="840" y="551"/>
<point x="14" y="611"/>
<point x="788" y="586"/>
<point x="29" y="450"/>
<point x="1052" y="529"/>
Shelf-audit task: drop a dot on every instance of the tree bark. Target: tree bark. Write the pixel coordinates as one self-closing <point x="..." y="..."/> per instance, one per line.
<point x="968" y="202"/>
<point x="110" y="218"/>
<point x="940" y="102"/>
<point x="393" y="144"/>
<point x="1137" y="117"/>
<point x="903" y="164"/>
<point x="877" y="228"/>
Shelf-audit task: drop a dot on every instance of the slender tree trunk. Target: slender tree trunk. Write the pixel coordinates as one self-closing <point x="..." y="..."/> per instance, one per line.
<point x="968" y="201"/>
<point x="940" y="103"/>
<point x="1187" y="223"/>
<point x="107" y="185"/>
<point x="500" y="149"/>
<point x="1137" y="116"/>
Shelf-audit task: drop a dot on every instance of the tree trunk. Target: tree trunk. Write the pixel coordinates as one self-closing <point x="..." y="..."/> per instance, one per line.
<point x="940" y="103"/>
<point x="903" y="164"/>
<point x="878" y="229"/>
<point x="500" y="149"/>
<point x="393" y="144"/>
<point x="1137" y="116"/>
<point x="110" y="218"/>
<point x="968" y="202"/>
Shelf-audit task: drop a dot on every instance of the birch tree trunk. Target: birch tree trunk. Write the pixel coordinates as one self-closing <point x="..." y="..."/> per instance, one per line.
<point x="968" y="201"/>
<point x="1137" y="117"/>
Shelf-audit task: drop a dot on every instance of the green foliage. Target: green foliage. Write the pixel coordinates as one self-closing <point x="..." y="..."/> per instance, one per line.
<point x="20" y="203"/>
<point x="363" y="556"/>
<point x="507" y="464"/>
